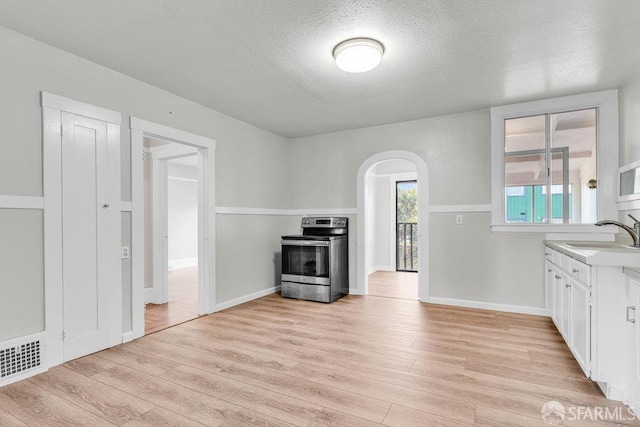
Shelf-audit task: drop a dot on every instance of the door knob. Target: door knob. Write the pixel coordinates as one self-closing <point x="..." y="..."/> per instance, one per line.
<point x="106" y="205"/>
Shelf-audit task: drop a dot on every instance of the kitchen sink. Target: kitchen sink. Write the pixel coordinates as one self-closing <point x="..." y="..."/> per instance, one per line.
<point x="599" y="245"/>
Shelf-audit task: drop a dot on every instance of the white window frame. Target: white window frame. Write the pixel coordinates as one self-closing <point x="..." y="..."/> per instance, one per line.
<point x="607" y="157"/>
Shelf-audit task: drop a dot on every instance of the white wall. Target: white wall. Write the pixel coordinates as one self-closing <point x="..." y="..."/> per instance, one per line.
<point x="629" y="111"/>
<point x="382" y="219"/>
<point x="182" y="214"/>
<point x="467" y="261"/>
<point x="251" y="169"/>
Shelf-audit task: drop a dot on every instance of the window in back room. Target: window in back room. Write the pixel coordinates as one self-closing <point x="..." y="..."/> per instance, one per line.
<point x="550" y="168"/>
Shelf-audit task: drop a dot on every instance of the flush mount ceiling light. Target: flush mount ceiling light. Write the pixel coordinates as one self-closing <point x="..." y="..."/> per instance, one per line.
<point x="358" y="55"/>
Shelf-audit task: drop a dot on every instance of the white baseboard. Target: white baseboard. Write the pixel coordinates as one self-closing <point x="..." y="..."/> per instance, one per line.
<point x="183" y="263"/>
<point x="490" y="306"/>
<point x="247" y="298"/>
<point x="355" y="291"/>
<point x="150" y="296"/>
<point x="381" y="268"/>
<point x="128" y="336"/>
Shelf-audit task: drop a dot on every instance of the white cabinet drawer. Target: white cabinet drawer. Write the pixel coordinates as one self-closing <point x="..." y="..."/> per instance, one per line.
<point x="548" y="253"/>
<point x="580" y="271"/>
<point x="565" y="262"/>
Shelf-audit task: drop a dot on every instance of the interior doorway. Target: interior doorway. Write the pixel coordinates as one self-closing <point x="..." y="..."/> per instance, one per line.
<point x="406" y="221"/>
<point x="171" y="192"/>
<point x="149" y="249"/>
<point x="392" y="229"/>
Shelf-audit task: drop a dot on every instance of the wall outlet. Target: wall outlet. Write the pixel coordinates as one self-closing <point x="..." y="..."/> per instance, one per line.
<point x="458" y="219"/>
<point x="125" y="252"/>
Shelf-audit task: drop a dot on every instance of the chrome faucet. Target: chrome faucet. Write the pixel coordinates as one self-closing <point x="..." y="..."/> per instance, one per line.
<point x="634" y="232"/>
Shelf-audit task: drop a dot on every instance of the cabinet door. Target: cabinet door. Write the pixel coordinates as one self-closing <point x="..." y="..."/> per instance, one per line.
<point x="565" y="312"/>
<point x="633" y="339"/>
<point x="580" y="324"/>
<point x="557" y="292"/>
<point x="549" y="291"/>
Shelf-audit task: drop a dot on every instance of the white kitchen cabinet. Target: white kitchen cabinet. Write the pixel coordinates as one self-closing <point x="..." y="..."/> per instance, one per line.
<point x="569" y="303"/>
<point x="549" y="288"/>
<point x="580" y="325"/>
<point x="632" y="318"/>
<point x="566" y="319"/>
<point x="590" y="315"/>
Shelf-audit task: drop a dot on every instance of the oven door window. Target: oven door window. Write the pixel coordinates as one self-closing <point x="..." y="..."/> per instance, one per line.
<point x="305" y="260"/>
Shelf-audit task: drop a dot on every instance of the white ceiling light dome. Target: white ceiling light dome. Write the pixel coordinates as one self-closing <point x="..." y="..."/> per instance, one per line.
<point x="358" y="55"/>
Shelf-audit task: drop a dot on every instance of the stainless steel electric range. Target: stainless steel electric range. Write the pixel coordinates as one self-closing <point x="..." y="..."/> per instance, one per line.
<point x="315" y="264"/>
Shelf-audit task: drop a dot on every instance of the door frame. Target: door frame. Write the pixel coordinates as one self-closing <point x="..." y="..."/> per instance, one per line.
<point x="52" y="108"/>
<point x="362" y="282"/>
<point x="206" y="216"/>
<point x="160" y="219"/>
<point x="395" y="179"/>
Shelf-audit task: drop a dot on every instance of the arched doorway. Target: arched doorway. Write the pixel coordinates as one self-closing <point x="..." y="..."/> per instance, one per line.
<point x="423" y="216"/>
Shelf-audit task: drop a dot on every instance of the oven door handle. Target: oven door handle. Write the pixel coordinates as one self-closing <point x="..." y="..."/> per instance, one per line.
<point x="304" y="243"/>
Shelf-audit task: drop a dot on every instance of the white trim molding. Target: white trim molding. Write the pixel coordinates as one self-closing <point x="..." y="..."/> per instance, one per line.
<point x="381" y="268"/>
<point x="629" y="205"/>
<point x="459" y="208"/>
<point x="507" y="308"/>
<point x="229" y="210"/>
<point x="205" y="148"/>
<point x="362" y="278"/>
<point x="170" y="134"/>
<point x="182" y="179"/>
<point x="56" y="102"/>
<point x="223" y="210"/>
<point x="21" y="202"/>
<point x="151" y="297"/>
<point x="177" y="264"/>
<point x="127" y="337"/>
<point x="247" y="298"/>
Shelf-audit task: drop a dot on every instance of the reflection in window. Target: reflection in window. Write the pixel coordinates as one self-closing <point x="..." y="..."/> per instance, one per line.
<point x="547" y="156"/>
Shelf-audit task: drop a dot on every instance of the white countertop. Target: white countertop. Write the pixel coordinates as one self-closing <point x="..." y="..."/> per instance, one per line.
<point x="599" y="253"/>
<point x="635" y="272"/>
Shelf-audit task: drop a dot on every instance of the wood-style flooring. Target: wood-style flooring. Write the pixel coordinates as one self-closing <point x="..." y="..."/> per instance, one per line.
<point x="394" y="284"/>
<point x="182" y="305"/>
<point x="360" y="361"/>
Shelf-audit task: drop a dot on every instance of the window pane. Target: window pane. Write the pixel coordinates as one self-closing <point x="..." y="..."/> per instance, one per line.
<point x="525" y="170"/>
<point x="524" y="134"/>
<point x="519" y="204"/>
<point x="573" y="147"/>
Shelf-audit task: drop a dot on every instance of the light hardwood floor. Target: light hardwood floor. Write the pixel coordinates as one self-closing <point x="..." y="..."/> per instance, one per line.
<point x="182" y="305"/>
<point x="360" y="361"/>
<point x="394" y="284"/>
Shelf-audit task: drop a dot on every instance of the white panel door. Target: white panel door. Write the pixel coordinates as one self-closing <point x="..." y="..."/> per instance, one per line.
<point x="91" y="268"/>
<point x="580" y="325"/>
<point x="549" y="290"/>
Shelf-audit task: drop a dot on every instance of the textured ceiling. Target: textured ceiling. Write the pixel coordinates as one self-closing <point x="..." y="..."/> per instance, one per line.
<point x="269" y="63"/>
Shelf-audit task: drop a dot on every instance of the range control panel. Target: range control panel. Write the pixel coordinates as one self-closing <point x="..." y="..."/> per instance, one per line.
<point x="325" y="222"/>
